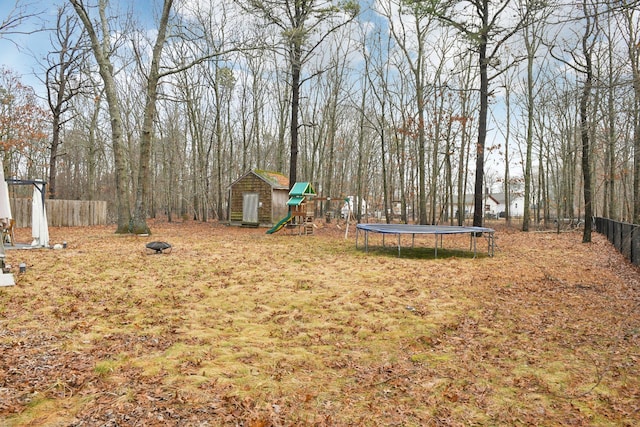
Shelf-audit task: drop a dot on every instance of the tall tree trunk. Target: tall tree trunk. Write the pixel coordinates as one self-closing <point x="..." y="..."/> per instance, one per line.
<point x="482" y="119"/>
<point x="361" y="157"/>
<point x="610" y="208"/>
<point x="64" y="65"/>
<point x="528" y="168"/>
<point x="139" y="221"/>
<point x="101" y="50"/>
<point x="92" y="150"/>
<point x="633" y="46"/>
<point x="587" y="48"/>
<point x="53" y="155"/>
<point x="332" y="112"/>
<point x="219" y="146"/>
<point x="435" y="162"/>
<point x="448" y="203"/>
<point x="507" y="177"/>
<point x="463" y="158"/>
<point x="296" y="58"/>
<point x="422" y="184"/>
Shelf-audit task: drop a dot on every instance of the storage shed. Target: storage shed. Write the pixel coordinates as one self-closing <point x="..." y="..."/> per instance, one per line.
<point x="258" y="198"/>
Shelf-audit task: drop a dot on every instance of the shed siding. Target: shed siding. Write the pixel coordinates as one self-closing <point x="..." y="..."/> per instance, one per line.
<point x="251" y="184"/>
<point x="272" y="197"/>
<point x="280" y="208"/>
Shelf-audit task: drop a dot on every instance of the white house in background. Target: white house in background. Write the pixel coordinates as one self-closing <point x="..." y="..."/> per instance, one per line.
<point x="516" y="204"/>
<point x="494" y="205"/>
<point x="490" y="205"/>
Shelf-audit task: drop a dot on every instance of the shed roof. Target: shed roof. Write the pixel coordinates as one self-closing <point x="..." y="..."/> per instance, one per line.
<point x="302" y="189"/>
<point x="274" y="179"/>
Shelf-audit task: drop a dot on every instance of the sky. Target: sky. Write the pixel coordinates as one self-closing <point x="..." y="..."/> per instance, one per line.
<point x="25" y="51"/>
<point x="20" y="51"/>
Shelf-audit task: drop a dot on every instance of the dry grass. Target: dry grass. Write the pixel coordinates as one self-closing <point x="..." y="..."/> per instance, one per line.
<point x="236" y="327"/>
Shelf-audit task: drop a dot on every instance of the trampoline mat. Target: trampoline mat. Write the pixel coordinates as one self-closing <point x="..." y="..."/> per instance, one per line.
<point x="422" y="229"/>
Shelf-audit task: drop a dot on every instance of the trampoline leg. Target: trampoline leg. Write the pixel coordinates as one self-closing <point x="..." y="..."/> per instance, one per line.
<point x="398" y="245"/>
<point x="435" y="252"/>
<point x="475" y="251"/>
<point x="491" y="244"/>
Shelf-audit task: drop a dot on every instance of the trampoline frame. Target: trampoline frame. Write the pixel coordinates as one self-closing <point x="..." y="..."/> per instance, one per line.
<point x="436" y="230"/>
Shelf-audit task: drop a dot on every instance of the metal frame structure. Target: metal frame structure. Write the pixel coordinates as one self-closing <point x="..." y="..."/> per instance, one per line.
<point x="12" y="181"/>
<point x="41" y="187"/>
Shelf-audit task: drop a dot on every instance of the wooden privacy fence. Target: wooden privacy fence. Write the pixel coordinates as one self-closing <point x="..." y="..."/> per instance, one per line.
<point x="624" y="236"/>
<point x="62" y="213"/>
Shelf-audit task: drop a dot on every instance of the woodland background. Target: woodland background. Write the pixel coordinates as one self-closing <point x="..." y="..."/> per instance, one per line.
<point x="159" y="106"/>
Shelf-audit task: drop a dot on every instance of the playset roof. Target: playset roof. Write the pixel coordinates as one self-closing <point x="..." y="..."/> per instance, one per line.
<point x="302" y="189"/>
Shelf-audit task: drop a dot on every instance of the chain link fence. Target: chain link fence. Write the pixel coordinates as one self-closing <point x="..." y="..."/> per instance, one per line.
<point x="624" y="236"/>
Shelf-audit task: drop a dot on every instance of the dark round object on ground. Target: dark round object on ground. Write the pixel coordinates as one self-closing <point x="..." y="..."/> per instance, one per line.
<point x="159" y="247"/>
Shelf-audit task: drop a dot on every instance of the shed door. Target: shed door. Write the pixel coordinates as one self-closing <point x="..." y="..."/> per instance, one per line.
<point x="250" y="207"/>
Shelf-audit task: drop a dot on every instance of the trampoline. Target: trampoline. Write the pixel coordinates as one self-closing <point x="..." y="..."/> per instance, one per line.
<point x="436" y="230"/>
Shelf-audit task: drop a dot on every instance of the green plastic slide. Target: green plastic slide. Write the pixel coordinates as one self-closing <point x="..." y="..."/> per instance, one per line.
<point x="280" y="224"/>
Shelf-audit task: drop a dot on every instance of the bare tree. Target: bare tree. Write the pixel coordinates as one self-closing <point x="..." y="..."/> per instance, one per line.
<point x="139" y="219"/>
<point x="531" y="37"/>
<point x="211" y="86"/>
<point x="376" y="72"/>
<point x="63" y="80"/>
<point x="299" y="21"/>
<point x="507" y="136"/>
<point x="467" y="104"/>
<point x="415" y="51"/>
<point x="630" y="21"/>
<point x="612" y="83"/>
<point x="480" y="21"/>
<point x="587" y="44"/>
<point x="154" y="72"/>
<point x="591" y="11"/>
<point x="14" y="17"/>
<point x="102" y="48"/>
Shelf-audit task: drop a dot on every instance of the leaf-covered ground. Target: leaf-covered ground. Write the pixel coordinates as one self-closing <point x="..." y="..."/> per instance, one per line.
<point x="236" y="327"/>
